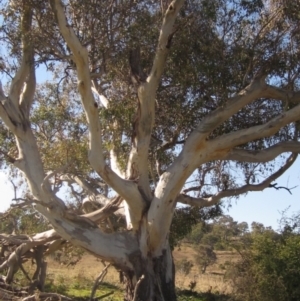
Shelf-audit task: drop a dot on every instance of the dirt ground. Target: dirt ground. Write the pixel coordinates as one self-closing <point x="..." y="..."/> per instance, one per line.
<point x="89" y="267"/>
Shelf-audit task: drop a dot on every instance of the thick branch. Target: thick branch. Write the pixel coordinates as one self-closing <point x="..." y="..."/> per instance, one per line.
<point x="24" y="245"/>
<point x="280" y="94"/>
<point x="240" y="137"/>
<point x="264" y="155"/>
<point x="106" y="211"/>
<point x="143" y="125"/>
<point x="127" y="189"/>
<point x="9" y="106"/>
<point x="27" y="96"/>
<point x="164" y="43"/>
<point x="210" y="201"/>
<point x="218" y="116"/>
<point x="113" y="247"/>
<point x="196" y="151"/>
<point x="27" y="58"/>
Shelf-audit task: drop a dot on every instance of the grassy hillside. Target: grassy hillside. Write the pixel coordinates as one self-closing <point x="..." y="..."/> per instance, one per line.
<point x="78" y="280"/>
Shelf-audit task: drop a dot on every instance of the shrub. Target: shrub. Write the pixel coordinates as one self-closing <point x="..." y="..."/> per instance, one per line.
<point x="184" y="266"/>
<point x="269" y="269"/>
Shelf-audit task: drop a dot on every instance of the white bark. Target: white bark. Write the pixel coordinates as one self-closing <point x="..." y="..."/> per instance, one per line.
<point x="223" y="144"/>
<point x="264" y="155"/>
<point x="26" y="66"/>
<point x="148" y="214"/>
<point x="138" y="161"/>
<point x="127" y="189"/>
<point x="113" y="247"/>
<point x="214" y="199"/>
<point x="252" y="92"/>
<point x="104" y="101"/>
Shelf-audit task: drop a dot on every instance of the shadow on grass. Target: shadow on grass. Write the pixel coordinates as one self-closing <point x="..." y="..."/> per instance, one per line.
<point x="109" y="285"/>
<point x="187" y="295"/>
<point x="114" y="292"/>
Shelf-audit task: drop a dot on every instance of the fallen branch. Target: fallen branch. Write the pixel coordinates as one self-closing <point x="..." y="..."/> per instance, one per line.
<point x="98" y="281"/>
<point x="46" y="296"/>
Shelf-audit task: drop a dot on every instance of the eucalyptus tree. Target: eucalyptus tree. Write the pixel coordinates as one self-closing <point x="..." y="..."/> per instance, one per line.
<point x="184" y="102"/>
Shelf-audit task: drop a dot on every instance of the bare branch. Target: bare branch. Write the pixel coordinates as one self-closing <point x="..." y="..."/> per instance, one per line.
<point x="275" y="186"/>
<point x="47" y="296"/>
<point x="105" y="212"/>
<point x="24" y="246"/>
<point x="206" y="202"/>
<point x="263" y="155"/>
<point x="98" y="281"/>
<point x="81" y="182"/>
<point x="50" y="194"/>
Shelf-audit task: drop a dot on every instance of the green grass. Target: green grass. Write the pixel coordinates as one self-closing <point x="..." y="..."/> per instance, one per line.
<point x="80" y="289"/>
<point x="83" y="291"/>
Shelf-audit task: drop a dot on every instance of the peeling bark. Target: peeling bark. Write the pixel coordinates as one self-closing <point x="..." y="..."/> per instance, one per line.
<point x="152" y="279"/>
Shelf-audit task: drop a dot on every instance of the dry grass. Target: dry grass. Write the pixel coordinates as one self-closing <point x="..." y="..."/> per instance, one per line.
<point x="89" y="267"/>
<point x="213" y="279"/>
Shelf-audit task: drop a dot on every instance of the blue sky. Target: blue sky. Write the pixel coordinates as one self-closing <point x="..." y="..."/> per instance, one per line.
<point x="264" y="207"/>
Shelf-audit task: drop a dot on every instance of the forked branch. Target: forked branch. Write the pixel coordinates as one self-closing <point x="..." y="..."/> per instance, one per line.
<point x="267" y="129"/>
<point x="127" y="189"/>
<point x="138" y="161"/>
<point x="214" y="199"/>
<point x="264" y="155"/>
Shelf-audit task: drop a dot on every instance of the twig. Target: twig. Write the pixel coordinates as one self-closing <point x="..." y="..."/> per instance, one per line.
<point x="45" y="296"/>
<point x="282" y="187"/>
<point x="103" y="296"/>
<point x="99" y="279"/>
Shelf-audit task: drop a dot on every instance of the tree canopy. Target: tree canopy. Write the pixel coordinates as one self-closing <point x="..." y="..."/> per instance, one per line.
<point x="152" y="104"/>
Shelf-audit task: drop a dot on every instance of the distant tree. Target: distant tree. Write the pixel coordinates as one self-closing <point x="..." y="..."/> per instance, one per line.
<point x="259" y="227"/>
<point x="218" y="232"/>
<point x="205" y="257"/>
<point x="243" y="228"/>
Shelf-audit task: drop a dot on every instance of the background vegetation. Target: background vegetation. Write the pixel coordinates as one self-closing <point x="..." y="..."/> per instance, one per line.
<point x="216" y="258"/>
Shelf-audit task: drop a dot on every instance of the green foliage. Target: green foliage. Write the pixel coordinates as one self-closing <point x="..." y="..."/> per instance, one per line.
<point x="80" y="286"/>
<point x="23" y="221"/>
<point x="270" y="267"/>
<point x="218" y="232"/>
<point x="186" y="218"/>
<point x="217" y="49"/>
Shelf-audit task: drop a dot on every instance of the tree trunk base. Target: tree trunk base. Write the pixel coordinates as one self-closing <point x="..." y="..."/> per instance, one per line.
<point x="152" y="280"/>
